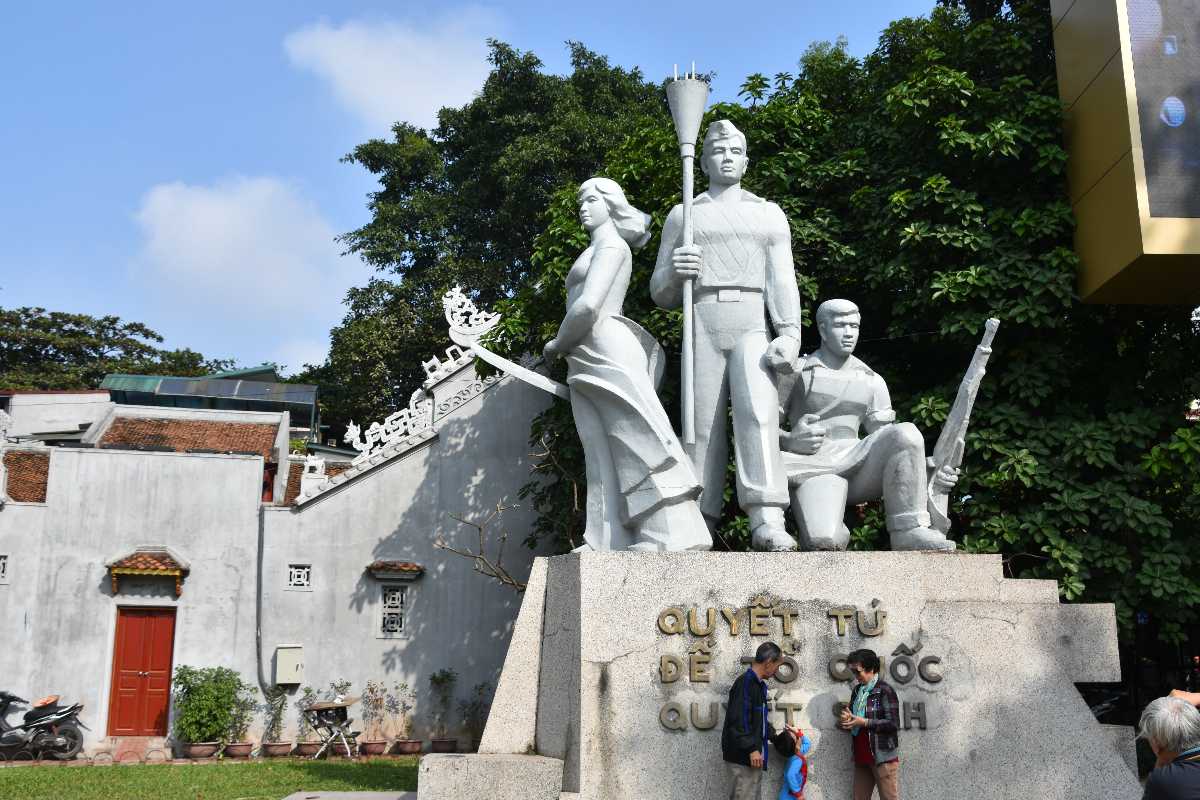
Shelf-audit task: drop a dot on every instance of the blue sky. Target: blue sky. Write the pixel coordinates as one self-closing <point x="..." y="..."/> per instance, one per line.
<point x="177" y="163"/>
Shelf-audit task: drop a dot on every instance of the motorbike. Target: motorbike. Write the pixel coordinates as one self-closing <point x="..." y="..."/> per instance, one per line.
<point x="47" y="729"/>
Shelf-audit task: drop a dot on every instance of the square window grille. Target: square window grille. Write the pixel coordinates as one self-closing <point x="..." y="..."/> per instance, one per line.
<point x="3" y="568"/>
<point x="299" y="576"/>
<point x="394" y="606"/>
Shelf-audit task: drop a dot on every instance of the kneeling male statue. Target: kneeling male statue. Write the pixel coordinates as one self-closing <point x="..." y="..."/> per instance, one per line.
<point x="828" y="465"/>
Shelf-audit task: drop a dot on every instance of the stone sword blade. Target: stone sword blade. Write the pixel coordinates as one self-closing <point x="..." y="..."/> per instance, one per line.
<point x="520" y="373"/>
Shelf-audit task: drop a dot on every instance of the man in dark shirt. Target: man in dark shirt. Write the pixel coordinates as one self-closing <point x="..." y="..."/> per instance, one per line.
<point x="1172" y="727"/>
<point x="746" y="732"/>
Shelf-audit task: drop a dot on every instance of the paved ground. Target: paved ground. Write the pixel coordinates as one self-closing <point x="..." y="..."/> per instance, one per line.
<point x="352" y="796"/>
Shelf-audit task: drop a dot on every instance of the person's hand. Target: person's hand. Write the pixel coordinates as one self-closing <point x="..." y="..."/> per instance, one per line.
<point x="781" y="355"/>
<point x="756" y="759"/>
<point x="551" y="351"/>
<point x="945" y="478"/>
<point x="806" y="437"/>
<point x="849" y="722"/>
<point x="686" y="261"/>
<point x="1190" y="697"/>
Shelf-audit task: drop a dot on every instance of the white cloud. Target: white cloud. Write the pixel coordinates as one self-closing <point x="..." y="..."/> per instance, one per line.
<point x="389" y="71"/>
<point x="247" y="263"/>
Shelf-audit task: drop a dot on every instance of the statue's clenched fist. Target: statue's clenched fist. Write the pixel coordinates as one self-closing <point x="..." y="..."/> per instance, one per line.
<point x="686" y="262"/>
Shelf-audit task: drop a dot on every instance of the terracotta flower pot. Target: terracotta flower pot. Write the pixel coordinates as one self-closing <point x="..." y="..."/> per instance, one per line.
<point x="275" y="749"/>
<point x="444" y="745"/>
<point x="407" y="747"/>
<point x="201" y="749"/>
<point x="372" y="747"/>
<point x="307" y="748"/>
<point x="238" y="749"/>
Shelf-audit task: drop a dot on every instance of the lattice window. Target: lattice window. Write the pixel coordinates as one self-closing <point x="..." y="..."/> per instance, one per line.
<point x="3" y="568"/>
<point x="299" y="577"/>
<point x="394" y="608"/>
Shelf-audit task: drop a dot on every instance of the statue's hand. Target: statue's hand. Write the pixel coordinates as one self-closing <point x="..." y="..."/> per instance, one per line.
<point x="551" y="351"/>
<point x="686" y="261"/>
<point x="806" y="437"/>
<point x="782" y="354"/>
<point x="945" y="478"/>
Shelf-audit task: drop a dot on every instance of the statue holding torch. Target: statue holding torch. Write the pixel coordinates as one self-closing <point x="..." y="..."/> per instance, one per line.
<point x="727" y="260"/>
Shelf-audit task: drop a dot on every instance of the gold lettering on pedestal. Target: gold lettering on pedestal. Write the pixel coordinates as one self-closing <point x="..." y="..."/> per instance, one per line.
<point x="671" y="620"/>
<point x="669" y="668"/>
<point x="709" y="624"/>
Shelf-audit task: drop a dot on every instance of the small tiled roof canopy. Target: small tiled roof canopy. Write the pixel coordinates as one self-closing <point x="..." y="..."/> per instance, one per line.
<point x="402" y="570"/>
<point x="182" y="435"/>
<point x="27" y="474"/>
<point x="148" y="561"/>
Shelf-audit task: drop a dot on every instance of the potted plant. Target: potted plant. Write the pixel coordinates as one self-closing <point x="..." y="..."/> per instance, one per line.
<point x="306" y="744"/>
<point x="399" y="704"/>
<point x="274" y="709"/>
<point x="373" y="700"/>
<point x="442" y="685"/>
<point x="474" y="712"/>
<point x="241" y="713"/>
<point x="204" y="701"/>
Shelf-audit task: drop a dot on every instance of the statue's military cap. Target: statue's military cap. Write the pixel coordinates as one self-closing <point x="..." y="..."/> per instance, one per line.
<point x="723" y="129"/>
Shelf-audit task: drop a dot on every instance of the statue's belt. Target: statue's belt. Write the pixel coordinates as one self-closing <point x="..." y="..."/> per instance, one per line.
<point x="719" y="295"/>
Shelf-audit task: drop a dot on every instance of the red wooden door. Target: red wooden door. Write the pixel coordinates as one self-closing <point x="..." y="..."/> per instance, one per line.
<point x="141" y="684"/>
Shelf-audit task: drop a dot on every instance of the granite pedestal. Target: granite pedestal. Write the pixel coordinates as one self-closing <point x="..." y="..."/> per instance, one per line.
<point x="635" y="652"/>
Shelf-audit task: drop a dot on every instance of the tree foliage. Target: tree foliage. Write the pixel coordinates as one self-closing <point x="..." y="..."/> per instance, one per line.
<point x="44" y="350"/>
<point x="926" y="182"/>
<point x="462" y="204"/>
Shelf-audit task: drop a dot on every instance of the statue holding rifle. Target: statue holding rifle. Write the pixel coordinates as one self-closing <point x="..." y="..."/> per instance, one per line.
<point x="836" y="397"/>
<point x="745" y="308"/>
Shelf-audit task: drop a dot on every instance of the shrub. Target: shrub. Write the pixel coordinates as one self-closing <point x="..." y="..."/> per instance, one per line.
<point x="274" y="709"/>
<point x="474" y="711"/>
<point x="442" y="684"/>
<point x="399" y="704"/>
<point x="212" y="704"/>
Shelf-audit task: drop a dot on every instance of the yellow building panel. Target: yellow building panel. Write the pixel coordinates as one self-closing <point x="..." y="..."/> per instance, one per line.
<point x="1058" y="9"/>
<point x="1107" y="233"/>
<point x="1097" y="130"/>
<point x="1086" y="39"/>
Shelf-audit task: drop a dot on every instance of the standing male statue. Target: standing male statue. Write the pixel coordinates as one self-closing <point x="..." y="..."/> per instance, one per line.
<point x="745" y="287"/>
<point x="835" y="396"/>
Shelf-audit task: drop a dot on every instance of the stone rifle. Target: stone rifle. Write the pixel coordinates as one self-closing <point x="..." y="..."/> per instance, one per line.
<point x="948" y="452"/>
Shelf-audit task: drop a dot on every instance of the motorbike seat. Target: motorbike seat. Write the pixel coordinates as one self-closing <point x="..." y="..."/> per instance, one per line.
<point x="34" y="714"/>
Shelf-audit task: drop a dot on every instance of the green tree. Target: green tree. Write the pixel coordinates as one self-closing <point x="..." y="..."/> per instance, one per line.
<point x="927" y="183"/>
<point x="462" y="204"/>
<point x="41" y="350"/>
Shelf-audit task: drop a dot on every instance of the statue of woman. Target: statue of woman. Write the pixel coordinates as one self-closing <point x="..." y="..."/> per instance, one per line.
<point x="641" y="490"/>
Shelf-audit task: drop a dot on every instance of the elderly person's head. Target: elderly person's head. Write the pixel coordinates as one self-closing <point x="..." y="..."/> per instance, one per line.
<point x="1170" y="725"/>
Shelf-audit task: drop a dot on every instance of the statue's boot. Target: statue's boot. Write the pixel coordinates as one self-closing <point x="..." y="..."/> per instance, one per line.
<point x="767" y="529"/>
<point x="920" y="538"/>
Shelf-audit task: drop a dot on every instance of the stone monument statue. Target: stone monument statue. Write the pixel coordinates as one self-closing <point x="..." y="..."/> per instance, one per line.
<point x="828" y="465"/>
<point x="746" y="314"/>
<point x="641" y="491"/>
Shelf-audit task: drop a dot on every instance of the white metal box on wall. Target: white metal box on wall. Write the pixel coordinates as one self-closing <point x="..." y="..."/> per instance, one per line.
<point x="289" y="664"/>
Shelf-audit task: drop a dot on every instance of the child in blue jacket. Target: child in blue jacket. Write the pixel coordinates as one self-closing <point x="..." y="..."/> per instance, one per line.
<point x="795" y="775"/>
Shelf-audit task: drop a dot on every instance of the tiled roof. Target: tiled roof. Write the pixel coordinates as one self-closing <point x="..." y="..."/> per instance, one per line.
<point x="27" y="474"/>
<point x="181" y="435"/>
<point x="394" y="566"/>
<point x="296" y="469"/>
<point x="148" y="560"/>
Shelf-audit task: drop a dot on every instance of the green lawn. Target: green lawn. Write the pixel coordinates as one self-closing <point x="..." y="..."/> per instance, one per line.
<point x="256" y="780"/>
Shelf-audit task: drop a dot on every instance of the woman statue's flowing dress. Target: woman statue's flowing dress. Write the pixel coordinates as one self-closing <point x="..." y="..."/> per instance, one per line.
<point x="641" y="486"/>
